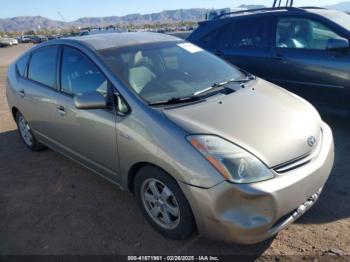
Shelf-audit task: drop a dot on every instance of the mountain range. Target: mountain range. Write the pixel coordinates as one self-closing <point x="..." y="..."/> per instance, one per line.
<point x="25" y="23"/>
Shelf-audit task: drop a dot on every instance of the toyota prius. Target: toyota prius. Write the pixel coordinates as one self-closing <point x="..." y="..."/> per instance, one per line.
<point x="203" y="145"/>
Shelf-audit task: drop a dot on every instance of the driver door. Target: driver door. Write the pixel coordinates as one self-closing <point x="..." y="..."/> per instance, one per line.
<point x="302" y="64"/>
<point x="87" y="135"/>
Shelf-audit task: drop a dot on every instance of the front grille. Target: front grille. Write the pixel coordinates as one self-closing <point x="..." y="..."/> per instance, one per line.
<point x="300" y="161"/>
<point x="293" y="164"/>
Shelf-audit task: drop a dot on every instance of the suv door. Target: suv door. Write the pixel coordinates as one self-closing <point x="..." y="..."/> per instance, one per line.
<point x="86" y="135"/>
<point x="38" y="90"/>
<point x="302" y="64"/>
<point x="244" y="42"/>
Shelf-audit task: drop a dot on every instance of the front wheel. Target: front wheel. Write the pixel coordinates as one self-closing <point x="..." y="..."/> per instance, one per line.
<point x="163" y="203"/>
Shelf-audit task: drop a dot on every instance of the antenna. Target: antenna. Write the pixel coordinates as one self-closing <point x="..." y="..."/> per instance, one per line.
<point x="291" y="2"/>
<point x="274" y="3"/>
<point x="279" y="4"/>
<point x="59" y="13"/>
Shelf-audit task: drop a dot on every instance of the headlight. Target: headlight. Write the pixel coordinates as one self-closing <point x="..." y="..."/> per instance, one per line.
<point x="233" y="162"/>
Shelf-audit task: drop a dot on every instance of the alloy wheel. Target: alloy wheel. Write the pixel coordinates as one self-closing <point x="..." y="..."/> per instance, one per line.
<point x="160" y="203"/>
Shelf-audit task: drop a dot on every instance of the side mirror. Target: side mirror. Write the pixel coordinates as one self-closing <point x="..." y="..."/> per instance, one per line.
<point x="122" y="107"/>
<point x="338" y="44"/>
<point x="91" y="100"/>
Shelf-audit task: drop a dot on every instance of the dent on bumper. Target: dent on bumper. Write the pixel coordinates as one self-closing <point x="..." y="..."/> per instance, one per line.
<point x="254" y="212"/>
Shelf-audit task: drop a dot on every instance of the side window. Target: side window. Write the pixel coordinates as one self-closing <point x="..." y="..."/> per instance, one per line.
<point x="302" y="33"/>
<point x="213" y="39"/>
<point x="241" y="34"/>
<point x="42" y="66"/>
<point x="79" y="75"/>
<point x="22" y="64"/>
<point x="249" y="33"/>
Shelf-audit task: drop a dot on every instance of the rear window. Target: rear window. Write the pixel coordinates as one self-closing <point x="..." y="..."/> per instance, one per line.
<point x="42" y="66"/>
<point x="22" y="64"/>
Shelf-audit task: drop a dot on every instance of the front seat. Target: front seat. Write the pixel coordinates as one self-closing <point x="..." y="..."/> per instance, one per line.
<point x="302" y="37"/>
<point x="139" y="75"/>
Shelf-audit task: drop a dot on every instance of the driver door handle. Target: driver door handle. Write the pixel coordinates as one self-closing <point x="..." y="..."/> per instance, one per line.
<point x="61" y="110"/>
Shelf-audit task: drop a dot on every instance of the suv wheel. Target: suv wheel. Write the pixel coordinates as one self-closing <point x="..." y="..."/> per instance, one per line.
<point x="163" y="203"/>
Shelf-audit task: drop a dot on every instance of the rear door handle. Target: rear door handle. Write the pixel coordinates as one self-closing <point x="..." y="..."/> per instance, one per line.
<point x="22" y="93"/>
<point x="61" y="110"/>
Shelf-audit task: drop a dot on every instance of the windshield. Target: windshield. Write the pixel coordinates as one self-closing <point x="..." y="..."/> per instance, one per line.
<point x="340" y="18"/>
<point x="164" y="71"/>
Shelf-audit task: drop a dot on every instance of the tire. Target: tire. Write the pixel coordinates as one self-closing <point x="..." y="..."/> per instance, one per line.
<point x="26" y="134"/>
<point x="170" y="199"/>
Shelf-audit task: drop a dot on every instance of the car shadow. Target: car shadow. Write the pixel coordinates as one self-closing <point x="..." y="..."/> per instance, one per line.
<point x="334" y="202"/>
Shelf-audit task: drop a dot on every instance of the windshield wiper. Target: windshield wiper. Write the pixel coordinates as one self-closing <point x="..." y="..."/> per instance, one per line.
<point x="176" y="100"/>
<point x="216" y="85"/>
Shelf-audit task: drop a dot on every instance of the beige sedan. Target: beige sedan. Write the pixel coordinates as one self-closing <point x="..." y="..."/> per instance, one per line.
<point x="202" y="145"/>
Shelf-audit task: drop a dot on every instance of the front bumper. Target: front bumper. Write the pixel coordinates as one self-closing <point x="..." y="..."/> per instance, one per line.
<point x="251" y="213"/>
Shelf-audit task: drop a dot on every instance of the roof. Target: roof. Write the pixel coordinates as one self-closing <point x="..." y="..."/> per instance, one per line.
<point x="118" y="40"/>
<point x="310" y="9"/>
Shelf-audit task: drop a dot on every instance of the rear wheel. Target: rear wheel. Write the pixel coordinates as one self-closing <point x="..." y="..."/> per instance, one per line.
<point x="26" y="134"/>
<point x="163" y="203"/>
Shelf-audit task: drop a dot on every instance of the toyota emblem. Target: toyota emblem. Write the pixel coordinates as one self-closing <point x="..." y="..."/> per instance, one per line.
<point x="311" y="141"/>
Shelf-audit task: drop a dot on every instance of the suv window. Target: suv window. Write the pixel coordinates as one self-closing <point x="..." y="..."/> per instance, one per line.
<point x="213" y="38"/>
<point x="249" y="33"/>
<point x="242" y="33"/>
<point x="302" y="33"/>
<point x="79" y="75"/>
<point x="21" y="65"/>
<point x="42" y="66"/>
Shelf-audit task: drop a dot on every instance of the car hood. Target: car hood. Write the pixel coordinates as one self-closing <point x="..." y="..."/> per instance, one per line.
<point x="266" y="120"/>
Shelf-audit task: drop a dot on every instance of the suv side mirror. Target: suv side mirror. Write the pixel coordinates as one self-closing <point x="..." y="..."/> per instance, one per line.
<point x="337" y="44"/>
<point x="122" y="107"/>
<point x="91" y="100"/>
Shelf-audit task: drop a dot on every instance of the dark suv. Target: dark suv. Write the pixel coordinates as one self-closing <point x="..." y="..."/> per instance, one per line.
<point x="305" y="50"/>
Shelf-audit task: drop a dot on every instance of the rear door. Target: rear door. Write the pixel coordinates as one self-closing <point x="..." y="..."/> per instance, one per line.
<point x="301" y="63"/>
<point x="86" y="135"/>
<point x="38" y="90"/>
<point x="244" y="42"/>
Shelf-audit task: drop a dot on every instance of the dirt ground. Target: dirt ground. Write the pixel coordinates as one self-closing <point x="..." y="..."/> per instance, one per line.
<point x="51" y="205"/>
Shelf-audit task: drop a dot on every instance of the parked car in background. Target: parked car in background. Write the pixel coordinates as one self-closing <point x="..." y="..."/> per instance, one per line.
<point x="53" y="37"/>
<point x="37" y="39"/>
<point x="201" y="144"/>
<point x="4" y="42"/>
<point x="13" y="41"/>
<point x="7" y="41"/>
<point x="24" y="39"/>
<point x="305" y="50"/>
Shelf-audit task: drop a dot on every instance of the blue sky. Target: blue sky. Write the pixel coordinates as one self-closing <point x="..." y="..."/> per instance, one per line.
<point x="73" y="9"/>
